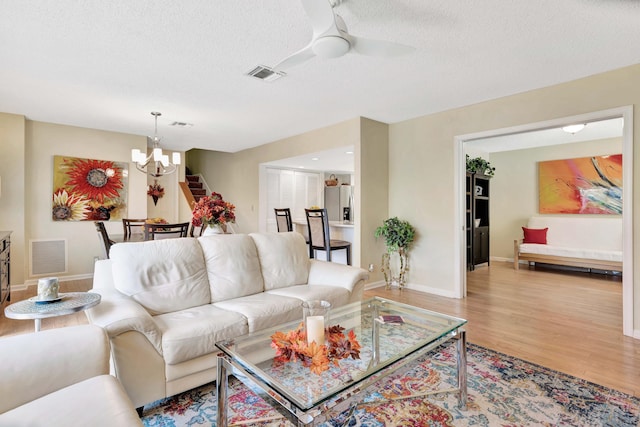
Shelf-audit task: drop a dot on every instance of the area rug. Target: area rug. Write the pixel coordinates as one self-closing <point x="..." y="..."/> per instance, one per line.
<point x="503" y="391"/>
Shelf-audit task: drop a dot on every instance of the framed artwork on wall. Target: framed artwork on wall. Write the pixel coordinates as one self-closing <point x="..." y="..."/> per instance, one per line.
<point x="88" y="189"/>
<point x="585" y="185"/>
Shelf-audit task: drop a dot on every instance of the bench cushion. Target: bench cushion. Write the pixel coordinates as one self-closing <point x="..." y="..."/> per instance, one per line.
<point x="600" y="233"/>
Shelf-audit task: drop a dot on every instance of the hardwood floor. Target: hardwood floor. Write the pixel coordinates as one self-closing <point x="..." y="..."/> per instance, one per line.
<point x="569" y="322"/>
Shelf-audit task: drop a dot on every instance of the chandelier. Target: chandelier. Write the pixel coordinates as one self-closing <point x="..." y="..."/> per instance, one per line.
<point x="157" y="163"/>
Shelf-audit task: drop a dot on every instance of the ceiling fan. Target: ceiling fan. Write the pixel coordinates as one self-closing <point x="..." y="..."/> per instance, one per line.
<point x="332" y="40"/>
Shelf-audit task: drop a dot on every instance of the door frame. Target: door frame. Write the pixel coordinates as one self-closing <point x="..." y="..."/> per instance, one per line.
<point x="459" y="168"/>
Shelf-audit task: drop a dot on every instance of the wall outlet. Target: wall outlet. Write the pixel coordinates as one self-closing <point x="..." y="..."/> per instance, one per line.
<point x="370" y="268"/>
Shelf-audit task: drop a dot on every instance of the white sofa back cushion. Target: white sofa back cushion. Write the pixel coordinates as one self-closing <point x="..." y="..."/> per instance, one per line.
<point x="284" y="259"/>
<point x="601" y="232"/>
<point x="232" y="264"/>
<point x="162" y="275"/>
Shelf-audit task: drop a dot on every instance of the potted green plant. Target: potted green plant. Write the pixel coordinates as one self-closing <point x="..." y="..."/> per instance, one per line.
<point x="480" y="165"/>
<point x="399" y="236"/>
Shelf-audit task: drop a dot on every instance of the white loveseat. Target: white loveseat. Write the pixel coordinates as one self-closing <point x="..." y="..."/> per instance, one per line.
<point x="587" y="242"/>
<point x="60" y="378"/>
<point x="166" y="303"/>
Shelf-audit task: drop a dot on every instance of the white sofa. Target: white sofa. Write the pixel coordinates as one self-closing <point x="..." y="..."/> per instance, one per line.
<point x="166" y="303"/>
<point x="60" y="377"/>
<point x="577" y="241"/>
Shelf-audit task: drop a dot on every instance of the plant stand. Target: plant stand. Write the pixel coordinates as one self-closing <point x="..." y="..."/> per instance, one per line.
<point x="395" y="276"/>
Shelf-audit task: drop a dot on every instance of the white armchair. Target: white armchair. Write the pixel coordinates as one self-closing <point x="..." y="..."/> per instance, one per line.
<point x="60" y="377"/>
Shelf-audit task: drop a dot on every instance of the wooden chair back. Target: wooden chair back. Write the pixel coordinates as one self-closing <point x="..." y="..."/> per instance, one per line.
<point x="283" y="219"/>
<point x="165" y="231"/>
<point x="105" y="241"/>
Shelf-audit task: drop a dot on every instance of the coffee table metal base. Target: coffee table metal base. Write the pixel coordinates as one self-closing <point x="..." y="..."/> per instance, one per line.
<point x="348" y="399"/>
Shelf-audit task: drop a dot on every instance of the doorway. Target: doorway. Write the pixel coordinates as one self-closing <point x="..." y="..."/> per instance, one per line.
<point x="626" y="114"/>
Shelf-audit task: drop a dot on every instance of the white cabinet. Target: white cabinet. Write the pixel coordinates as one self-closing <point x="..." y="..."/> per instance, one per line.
<point x="294" y="190"/>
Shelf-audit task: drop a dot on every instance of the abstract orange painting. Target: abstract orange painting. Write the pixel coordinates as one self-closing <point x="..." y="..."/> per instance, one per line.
<point x="585" y="185"/>
<point x="88" y="189"/>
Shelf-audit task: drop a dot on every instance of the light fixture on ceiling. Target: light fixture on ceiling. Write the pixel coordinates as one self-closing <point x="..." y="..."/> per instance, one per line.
<point x="574" y="128"/>
<point x="157" y="163"/>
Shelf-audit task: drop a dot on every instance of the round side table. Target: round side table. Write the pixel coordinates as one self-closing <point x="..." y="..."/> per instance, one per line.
<point x="69" y="303"/>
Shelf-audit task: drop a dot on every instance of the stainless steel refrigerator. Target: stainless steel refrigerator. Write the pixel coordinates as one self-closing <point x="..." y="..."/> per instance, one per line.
<point x="338" y="201"/>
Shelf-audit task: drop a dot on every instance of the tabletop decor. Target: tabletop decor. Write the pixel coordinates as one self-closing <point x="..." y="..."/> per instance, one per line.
<point x="398" y="237"/>
<point x="292" y="346"/>
<point x="213" y="211"/>
<point x="156" y="191"/>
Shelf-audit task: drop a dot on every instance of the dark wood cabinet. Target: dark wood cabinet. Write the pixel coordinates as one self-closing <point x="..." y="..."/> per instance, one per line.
<point x="5" y="266"/>
<point x="477" y="219"/>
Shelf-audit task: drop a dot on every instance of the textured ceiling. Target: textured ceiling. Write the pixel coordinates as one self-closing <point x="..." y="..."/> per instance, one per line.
<point x="108" y="64"/>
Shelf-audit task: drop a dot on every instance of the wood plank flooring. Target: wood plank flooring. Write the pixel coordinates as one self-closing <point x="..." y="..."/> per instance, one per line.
<point x="569" y="322"/>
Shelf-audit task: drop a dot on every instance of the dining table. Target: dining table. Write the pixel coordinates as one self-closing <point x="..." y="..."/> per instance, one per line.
<point x="122" y="238"/>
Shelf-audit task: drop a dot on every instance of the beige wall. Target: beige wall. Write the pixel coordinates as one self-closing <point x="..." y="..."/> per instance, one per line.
<point x="13" y="208"/>
<point x="236" y="176"/>
<point x="44" y="140"/>
<point x="28" y="148"/>
<point x="421" y="162"/>
<point x="514" y="189"/>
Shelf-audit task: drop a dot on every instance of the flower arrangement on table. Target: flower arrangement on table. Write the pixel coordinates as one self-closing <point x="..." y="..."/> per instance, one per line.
<point x="155" y="191"/>
<point x="213" y="210"/>
<point x="291" y="346"/>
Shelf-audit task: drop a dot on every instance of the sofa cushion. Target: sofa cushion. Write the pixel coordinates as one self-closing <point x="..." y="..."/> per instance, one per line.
<point x="336" y="295"/>
<point x="284" y="259"/>
<point x="232" y="264"/>
<point x="264" y="310"/>
<point x="98" y="401"/>
<point x="190" y="333"/>
<point x="535" y="235"/>
<point x="162" y="275"/>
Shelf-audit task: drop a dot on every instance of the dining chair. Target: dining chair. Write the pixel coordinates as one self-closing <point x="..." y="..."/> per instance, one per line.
<point x="196" y="231"/>
<point x="165" y="231"/>
<point x="129" y="223"/>
<point x="104" y="238"/>
<point x="283" y="219"/>
<point x="319" y="237"/>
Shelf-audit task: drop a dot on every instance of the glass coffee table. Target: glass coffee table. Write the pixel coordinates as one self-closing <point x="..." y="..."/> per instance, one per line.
<point x="306" y="398"/>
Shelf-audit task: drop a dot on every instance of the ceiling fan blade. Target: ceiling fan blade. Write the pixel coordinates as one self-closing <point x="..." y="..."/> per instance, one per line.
<point x="297" y="58"/>
<point x="320" y="14"/>
<point x="378" y="47"/>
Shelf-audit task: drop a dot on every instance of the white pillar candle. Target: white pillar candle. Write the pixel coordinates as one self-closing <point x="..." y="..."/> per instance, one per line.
<point x="315" y="329"/>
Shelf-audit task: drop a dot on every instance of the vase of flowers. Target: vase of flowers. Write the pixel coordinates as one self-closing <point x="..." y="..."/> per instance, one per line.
<point x="214" y="213"/>
<point x="155" y="191"/>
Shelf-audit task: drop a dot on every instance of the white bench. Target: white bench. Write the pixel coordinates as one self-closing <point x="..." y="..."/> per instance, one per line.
<point x="588" y="242"/>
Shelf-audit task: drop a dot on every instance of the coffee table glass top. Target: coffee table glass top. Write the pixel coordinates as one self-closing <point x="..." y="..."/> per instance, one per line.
<point x="382" y="344"/>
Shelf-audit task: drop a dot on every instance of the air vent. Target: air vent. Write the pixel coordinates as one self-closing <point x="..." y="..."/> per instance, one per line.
<point x="182" y="124"/>
<point x="48" y="257"/>
<point x="265" y="73"/>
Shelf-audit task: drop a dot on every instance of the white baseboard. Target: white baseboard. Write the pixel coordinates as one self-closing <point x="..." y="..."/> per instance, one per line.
<point x="31" y="282"/>
<point x="414" y="287"/>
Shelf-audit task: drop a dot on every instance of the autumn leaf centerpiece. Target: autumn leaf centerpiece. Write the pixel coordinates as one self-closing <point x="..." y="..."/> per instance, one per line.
<point x="292" y="346"/>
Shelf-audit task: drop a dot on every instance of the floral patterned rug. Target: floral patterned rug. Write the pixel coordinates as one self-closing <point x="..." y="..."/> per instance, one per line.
<point x="503" y="391"/>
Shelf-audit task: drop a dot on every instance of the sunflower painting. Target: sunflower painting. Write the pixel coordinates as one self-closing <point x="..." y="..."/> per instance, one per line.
<point x="88" y="190"/>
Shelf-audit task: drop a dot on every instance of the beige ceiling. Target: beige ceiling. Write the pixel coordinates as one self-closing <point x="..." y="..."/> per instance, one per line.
<point x="108" y="64"/>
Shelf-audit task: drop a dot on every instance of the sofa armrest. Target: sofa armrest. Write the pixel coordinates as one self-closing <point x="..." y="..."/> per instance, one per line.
<point x="118" y="313"/>
<point x="36" y="364"/>
<point x="334" y="274"/>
